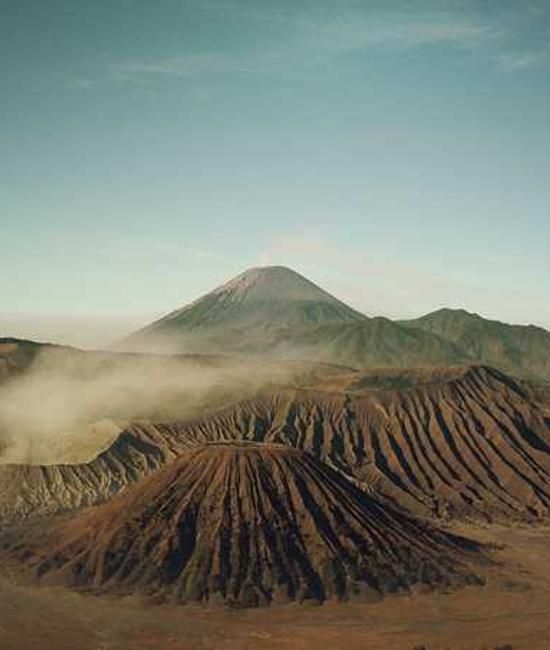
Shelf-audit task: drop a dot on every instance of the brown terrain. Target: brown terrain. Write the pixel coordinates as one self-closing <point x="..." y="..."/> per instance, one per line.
<point x="247" y="524"/>
<point x="472" y="444"/>
<point x="410" y="505"/>
<point x="510" y="612"/>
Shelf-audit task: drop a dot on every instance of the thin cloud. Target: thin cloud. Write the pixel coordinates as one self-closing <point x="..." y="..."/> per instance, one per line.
<point x="364" y="32"/>
<point x="182" y="66"/>
<point x="309" y="42"/>
<point x="311" y="38"/>
<point x="514" y="61"/>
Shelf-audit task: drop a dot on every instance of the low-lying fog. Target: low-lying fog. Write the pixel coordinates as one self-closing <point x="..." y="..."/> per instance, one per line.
<point x="68" y="405"/>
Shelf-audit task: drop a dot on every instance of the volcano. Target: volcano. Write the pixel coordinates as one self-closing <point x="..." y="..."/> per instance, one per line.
<point x="275" y="312"/>
<point x="246" y="525"/>
<point x="259" y="300"/>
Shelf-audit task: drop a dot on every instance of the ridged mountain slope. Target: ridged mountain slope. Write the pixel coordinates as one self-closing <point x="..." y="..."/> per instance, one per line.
<point x="260" y="299"/>
<point x="473" y="445"/>
<point x="275" y="312"/>
<point x="467" y="443"/>
<point x="373" y="343"/>
<point x="246" y="525"/>
<point x="521" y="350"/>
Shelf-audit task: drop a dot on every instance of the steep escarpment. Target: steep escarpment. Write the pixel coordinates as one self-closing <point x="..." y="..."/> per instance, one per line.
<point x="247" y="524"/>
<point x="32" y="490"/>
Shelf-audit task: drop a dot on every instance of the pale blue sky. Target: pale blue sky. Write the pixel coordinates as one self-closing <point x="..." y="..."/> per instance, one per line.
<point x="398" y="153"/>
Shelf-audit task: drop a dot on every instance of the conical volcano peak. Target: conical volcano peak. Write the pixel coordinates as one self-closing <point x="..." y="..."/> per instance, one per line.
<point x="274" y="283"/>
<point x="268" y="298"/>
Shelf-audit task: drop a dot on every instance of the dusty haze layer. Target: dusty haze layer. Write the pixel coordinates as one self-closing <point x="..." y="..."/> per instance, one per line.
<point x="64" y="405"/>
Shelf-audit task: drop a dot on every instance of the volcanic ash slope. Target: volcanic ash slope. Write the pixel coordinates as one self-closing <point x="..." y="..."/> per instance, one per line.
<point x="247" y="525"/>
<point x="463" y="443"/>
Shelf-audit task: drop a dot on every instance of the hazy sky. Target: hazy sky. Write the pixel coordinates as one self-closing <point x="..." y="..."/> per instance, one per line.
<point x="398" y="153"/>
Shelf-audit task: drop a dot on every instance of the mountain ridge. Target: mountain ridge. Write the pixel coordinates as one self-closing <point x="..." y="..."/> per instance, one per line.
<point x="523" y="350"/>
<point x="275" y="312"/>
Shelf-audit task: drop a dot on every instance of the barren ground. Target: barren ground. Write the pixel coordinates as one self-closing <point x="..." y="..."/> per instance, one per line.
<point x="511" y="611"/>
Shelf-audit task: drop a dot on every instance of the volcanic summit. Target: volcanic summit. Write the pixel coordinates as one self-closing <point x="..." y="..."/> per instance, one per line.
<point x="263" y="298"/>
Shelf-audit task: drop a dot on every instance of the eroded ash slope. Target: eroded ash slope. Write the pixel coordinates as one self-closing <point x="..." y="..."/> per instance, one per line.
<point x="472" y="443"/>
<point x="247" y="524"/>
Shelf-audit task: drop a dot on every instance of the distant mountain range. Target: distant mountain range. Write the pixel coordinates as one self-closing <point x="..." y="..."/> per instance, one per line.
<point x="518" y="349"/>
<point x="276" y="312"/>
